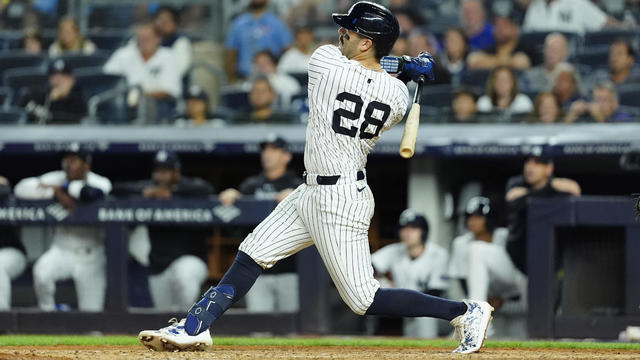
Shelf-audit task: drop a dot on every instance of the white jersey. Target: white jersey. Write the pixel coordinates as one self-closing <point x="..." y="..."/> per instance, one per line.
<point x="349" y="107"/>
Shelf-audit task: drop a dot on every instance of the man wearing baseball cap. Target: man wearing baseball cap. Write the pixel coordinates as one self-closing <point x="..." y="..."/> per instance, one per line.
<point x="62" y="102"/>
<point x="177" y="256"/>
<point x="537" y="180"/>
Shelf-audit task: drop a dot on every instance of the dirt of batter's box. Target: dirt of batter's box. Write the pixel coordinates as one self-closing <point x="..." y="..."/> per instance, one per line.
<point x="297" y="352"/>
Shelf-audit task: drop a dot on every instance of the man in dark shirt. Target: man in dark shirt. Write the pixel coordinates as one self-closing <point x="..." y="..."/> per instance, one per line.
<point x="177" y="260"/>
<point x="277" y="288"/>
<point x="62" y="102"/>
<point x="537" y="180"/>
<point x="12" y="253"/>
<point x="508" y="50"/>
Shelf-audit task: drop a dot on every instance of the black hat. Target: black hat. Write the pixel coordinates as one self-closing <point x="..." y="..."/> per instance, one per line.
<point x="274" y="140"/>
<point x="480" y="205"/>
<point x="78" y="150"/>
<point x="510" y="11"/>
<point x="167" y="159"/>
<point x="410" y="217"/>
<point x="59" y="66"/>
<point x="196" y="92"/>
<point x="540" y="154"/>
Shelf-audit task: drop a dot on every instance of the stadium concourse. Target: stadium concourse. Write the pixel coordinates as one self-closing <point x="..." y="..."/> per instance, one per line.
<point x="140" y="143"/>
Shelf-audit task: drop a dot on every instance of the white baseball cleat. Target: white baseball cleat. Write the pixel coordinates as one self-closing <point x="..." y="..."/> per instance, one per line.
<point x="175" y="338"/>
<point x="471" y="327"/>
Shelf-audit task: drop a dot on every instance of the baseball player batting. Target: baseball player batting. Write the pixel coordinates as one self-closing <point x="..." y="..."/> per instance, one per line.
<point x="352" y="101"/>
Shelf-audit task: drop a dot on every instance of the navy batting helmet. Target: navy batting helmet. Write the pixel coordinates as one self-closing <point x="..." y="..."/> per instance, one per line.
<point x="480" y="205"/>
<point x="410" y="217"/>
<point x="372" y="21"/>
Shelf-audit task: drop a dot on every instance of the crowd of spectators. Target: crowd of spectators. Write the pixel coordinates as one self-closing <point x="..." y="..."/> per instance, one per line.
<point x="513" y="58"/>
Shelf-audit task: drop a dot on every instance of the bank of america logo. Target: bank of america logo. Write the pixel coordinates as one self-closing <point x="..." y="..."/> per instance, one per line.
<point x="226" y="213"/>
<point x="57" y="211"/>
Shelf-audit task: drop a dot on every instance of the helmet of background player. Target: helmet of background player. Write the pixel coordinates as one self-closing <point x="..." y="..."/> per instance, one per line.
<point x="166" y="168"/>
<point x="372" y="21"/>
<point x="410" y="217"/>
<point x="76" y="161"/>
<point x="481" y="206"/>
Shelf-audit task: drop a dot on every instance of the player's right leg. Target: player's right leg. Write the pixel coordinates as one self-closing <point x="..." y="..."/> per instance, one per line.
<point x="12" y="264"/>
<point x="52" y="266"/>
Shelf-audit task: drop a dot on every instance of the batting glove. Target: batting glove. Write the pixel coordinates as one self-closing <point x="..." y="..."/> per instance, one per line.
<point x="422" y="65"/>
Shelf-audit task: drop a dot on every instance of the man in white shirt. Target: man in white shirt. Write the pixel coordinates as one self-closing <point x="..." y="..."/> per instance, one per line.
<point x="150" y="66"/>
<point x="556" y="50"/>
<point x="413" y="263"/>
<point x="576" y="16"/>
<point x="166" y="21"/>
<point x="77" y="251"/>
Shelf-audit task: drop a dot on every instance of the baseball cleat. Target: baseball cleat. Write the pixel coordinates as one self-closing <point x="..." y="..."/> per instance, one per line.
<point x="471" y="327"/>
<point x="212" y="305"/>
<point x="175" y="338"/>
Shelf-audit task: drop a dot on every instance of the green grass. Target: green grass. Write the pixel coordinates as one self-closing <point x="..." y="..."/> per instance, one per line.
<point x="43" y="340"/>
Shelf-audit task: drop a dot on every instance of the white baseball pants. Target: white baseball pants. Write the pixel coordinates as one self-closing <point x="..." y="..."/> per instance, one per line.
<point x="12" y="264"/>
<point x="178" y="286"/>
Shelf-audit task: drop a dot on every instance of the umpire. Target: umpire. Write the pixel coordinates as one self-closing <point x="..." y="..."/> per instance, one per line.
<point x="177" y="259"/>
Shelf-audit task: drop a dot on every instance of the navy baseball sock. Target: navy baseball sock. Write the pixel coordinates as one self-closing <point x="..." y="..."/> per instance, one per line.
<point x="241" y="275"/>
<point x="411" y="303"/>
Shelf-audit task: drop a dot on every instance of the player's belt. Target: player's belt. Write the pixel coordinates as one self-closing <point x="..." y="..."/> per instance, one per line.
<point x="327" y="180"/>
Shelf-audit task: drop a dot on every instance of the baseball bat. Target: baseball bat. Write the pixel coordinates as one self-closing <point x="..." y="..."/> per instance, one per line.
<point x="408" y="142"/>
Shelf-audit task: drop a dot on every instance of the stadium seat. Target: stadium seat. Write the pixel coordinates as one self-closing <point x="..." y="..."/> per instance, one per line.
<point x="109" y="39"/>
<point x="18" y="59"/>
<point x="235" y="99"/>
<point x="303" y="79"/>
<point x="6" y="95"/>
<point x="476" y="78"/>
<point x="607" y="37"/>
<point x="437" y="95"/>
<point x="12" y="116"/>
<point x="594" y="57"/>
<point x="629" y="95"/>
<point x="78" y="61"/>
<point x="10" y="40"/>
<point x="536" y="39"/>
<point x="105" y="93"/>
<point x="20" y="79"/>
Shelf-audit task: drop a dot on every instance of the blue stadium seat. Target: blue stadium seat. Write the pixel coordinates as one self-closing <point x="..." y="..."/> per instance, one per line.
<point x="6" y="95"/>
<point x="21" y="79"/>
<point x="107" y="91"/>
<point x="437" y="95"/>
<point x="607" y="37"/>
<point x="629" y="95"/>
<point x="12" y="116"/>
<point x="78" y="61"/>
<point x="594" y="57"/>
<point x="235" y="99"/>
<point x="302" y="78"/>
<point x="476" y="78"/>
<point x="109" y="39"/>
<point x="536" y="39"/>
<point x="18" y="59"/>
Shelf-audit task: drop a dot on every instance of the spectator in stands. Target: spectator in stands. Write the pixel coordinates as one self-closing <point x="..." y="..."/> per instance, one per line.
<point x="151" y="67"/>
<point x="296" y="59"/>
<point x="62" y="102"/>
<point x="454" y="59"/>
<point x="603" y="108"/>
<point x="622" y="69"/>
<point x="251" y="32"/>
<point x="177" y="260"/>
<point x="285" y="85"/>
<point x="77" y="251"/>
<point x="546" y="109"/>
<point x="277" y="288"/>
<point x="566" y="84"/>
<point x="12" y="253"/>
<point x="480" y="262"/>
<point x="401" y="46"/>
<point x="262" y="99"/>
<point x="556" y="50"/>
<point x="197" y="114"/>
<point x="33" y="43"/>
<point x="413" y="263"/>
<point x="508" y="49"/>
<point x="503" y="95"/>
<point x="166" y="20"/>
<point x="474" y="22"/>
<point x="537" y="181"/>
<point x="70" y="40"/>
<point x="464" y="106"/>
<point x="576" y="16"/>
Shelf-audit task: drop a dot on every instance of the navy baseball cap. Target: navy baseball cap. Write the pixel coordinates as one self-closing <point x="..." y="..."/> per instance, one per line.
<point x="77" y="149"/>
<point x="167" y="159"/>
<point x="196" y="92"/>
<point x="275" y="140"/>
<point x="540" y="154"/>
<point x="59" y="66"/>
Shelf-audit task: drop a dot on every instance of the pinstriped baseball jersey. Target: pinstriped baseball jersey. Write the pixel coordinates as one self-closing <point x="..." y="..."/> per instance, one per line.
<point x="349" y="107"/>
